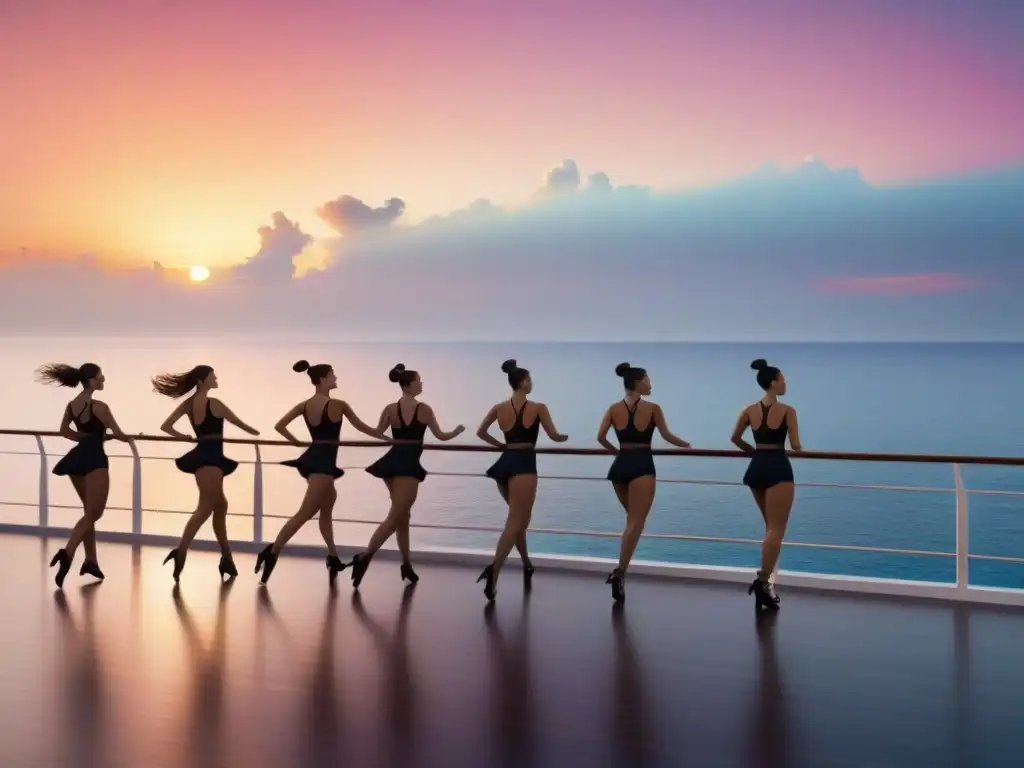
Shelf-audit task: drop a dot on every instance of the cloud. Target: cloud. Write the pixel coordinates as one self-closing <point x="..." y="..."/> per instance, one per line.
<point x="349" y="215"/>
<point x="280" y="243"/>
<point x="562" y="178"/>
<point x="783" y="254"/>
<point x="921" y="284"/>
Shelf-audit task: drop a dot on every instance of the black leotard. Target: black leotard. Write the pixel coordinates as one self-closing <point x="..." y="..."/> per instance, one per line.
<point x="517" y="461"/>
<point x="321" y="458"/>
<point x="403" y="460"/>
<point x="209" y="450"/>
<point x="636" y="460"/>
<point x="769" y="465"/>
<point x="88" y="453"/>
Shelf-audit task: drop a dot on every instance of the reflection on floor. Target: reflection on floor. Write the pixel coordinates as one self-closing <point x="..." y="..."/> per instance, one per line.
<point x="135" y="673"/>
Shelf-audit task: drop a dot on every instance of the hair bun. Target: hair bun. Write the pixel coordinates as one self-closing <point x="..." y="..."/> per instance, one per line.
<point x="509" y="365"/>
<point x="396" y="373"/>
<point x="759" y="365"/>
<point x="301" y="367"/>
<point x="622" y="369"/>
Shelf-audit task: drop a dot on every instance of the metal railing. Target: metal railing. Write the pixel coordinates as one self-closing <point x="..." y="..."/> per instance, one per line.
<point x="960" y="589"/>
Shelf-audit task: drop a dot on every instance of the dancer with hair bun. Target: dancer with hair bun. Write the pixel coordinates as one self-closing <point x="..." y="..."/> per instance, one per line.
<point x="400" y="468"/>
<point x="515" y="471"/>
<point x="769" y="474"/>
<point x="206" y="461"/>
<point x="318" y="465"/>
<point x="632" y="473"/>
<point x="86" y="463"/>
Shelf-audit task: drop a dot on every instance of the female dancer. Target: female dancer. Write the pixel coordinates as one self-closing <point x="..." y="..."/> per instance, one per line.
<point x="86" y="463"/>
<point x="770" y="475"/>
<point x="206" y="461"/>
<point x="515" y="471"/>
<point x="632" y="473"/>
<point x="400" y="468"/>
<point x="318" y="465"/>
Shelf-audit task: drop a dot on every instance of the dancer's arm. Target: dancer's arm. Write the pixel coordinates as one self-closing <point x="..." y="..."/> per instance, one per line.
<point x="602" y="432"/>
<point x="663" y="430"/>
<point x="434" y="427"/>
<point x="794" y="429"/>
<point x="107" y="418"/>
<point x="742" y="422"/>
<point x="230" y="417"/>
<point x="65" y="426"/>
<point x="549" y="426"/>
<point x="176" y="414"/>
<point x="385" y="419"/>
<point x="361" y="425"/>
<point x="482" y="431"/>
<point x="282" y="426"/>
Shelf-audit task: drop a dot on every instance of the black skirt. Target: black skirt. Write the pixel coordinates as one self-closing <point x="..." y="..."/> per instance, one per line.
<point x="630" y="464"/>
<point x="399" y="461"/>
<point x="768" y="468"/>
<point x="512" y="462"/>
<point x="84" y="457"/>
<point x="208" y="453"/>
<point x="317" y="460"/>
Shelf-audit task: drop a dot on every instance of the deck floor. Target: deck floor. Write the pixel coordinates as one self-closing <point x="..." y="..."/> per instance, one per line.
<point x="130" y="673"/>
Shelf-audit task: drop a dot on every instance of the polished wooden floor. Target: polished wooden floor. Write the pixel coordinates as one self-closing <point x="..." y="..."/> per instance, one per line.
<point x="134" y="673"/>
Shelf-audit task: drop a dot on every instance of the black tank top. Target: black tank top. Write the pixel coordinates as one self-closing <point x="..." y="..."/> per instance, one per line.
<point x="210" y="426"/>
<point x="629" y="433"/>
<point x="326" y="430"/>
<point x="765" y="435"/>
<point x="414" y="430"/>
<point x="519" y="433"/>
<point x="91" y="428"/>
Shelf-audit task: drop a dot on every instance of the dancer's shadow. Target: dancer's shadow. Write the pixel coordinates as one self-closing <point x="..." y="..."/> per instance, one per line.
<point x="513" y="707"/>
<point x="205" y="738"/>
<point x="86" y="727"/>
<point x="767" y="741"/>
<point x="400" y="699"/>
<point x="634" y="745"/>
<point x="323" y="718"/>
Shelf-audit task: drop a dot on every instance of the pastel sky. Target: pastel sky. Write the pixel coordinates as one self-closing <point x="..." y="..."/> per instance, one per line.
<point x="173" y="133"/>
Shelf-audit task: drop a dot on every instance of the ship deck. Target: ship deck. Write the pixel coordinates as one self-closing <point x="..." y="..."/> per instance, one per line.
<point x="133" y="673"/>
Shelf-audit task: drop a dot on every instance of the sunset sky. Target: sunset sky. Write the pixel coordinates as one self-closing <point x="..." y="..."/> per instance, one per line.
<point x="173" y="134"/>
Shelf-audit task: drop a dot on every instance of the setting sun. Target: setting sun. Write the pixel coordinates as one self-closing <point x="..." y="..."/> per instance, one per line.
<point x="198" y="274"/>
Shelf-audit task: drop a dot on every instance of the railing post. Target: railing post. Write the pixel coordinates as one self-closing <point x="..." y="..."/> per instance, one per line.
<point x="44" y="485"/>
<point x="963" y="548"/>
<point x="136" y="489"/>
<point x="257" y="498"/>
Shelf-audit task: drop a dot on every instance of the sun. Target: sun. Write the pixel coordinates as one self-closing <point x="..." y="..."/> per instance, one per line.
<point x="198" y="274"/>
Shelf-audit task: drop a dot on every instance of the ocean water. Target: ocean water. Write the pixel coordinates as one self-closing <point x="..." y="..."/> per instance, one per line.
<point x="923" y="398"/>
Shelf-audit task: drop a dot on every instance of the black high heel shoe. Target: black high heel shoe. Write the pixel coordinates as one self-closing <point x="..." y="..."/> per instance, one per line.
<point x="488" y="577"/>
<point x="227" y="568"/>
<point x="63" y="560"/>
<point x="527" y="578"/>
<point x="618" y="581"/>
<point x="359" y="565"/>
<point x="764" y="594"/>
<point x="408" y="574"/>
<point x="266" y="560"/>
<point x="334" y="567"/>
<point x="179" y="563"/>
<point x="89" y="568"/>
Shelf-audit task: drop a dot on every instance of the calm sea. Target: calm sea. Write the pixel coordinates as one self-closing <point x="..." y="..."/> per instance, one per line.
<point x="927" y="398"/>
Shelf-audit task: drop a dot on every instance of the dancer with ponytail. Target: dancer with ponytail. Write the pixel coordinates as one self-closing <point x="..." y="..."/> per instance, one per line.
<point x="206" y="461"/>
<point x="632" y="474"/>
<point x="400" y="468"/>
<point x="769" y="474"/>
<point x="318" y="465"/>
<point x="86" y="463"/>
<point x="515" y="471"/>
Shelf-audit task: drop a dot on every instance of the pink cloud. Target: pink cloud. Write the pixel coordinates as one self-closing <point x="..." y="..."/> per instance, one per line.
<point x="918" y="284"/>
